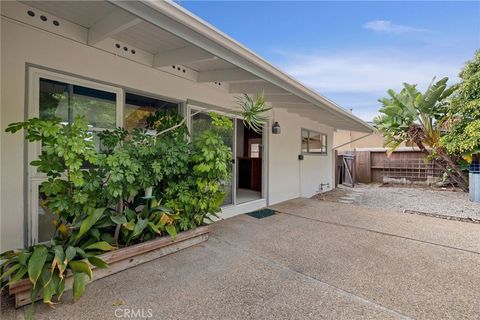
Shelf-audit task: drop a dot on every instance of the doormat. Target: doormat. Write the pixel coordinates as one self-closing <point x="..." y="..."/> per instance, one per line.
<point x="260" y="214"/>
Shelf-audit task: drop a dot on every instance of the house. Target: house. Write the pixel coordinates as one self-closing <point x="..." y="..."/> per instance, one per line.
<point x="117" y="62"/>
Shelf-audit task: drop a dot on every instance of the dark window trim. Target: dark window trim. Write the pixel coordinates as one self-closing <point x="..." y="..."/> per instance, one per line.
<point x="308" y="152"/>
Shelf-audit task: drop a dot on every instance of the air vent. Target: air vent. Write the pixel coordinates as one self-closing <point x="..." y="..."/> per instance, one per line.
<point x="42" y="17"/>
<point x="125" y="48"/>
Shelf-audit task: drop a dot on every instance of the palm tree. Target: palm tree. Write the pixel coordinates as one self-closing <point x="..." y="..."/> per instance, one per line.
<point x="410" y="116"/>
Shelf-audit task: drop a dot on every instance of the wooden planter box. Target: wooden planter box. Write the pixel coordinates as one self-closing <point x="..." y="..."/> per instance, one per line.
<point x="122" y="259"/>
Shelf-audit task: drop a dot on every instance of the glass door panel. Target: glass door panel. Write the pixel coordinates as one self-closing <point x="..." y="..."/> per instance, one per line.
<point x="64" y="100"/>
<point x="201" y="122"/>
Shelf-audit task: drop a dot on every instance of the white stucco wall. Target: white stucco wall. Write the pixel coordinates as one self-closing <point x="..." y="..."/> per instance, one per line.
<point x="289" y="177"/>
<point x="22" y="45"/>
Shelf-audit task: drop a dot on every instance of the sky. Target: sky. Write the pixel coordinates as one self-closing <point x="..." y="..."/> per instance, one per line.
<point x="353" y="52"/>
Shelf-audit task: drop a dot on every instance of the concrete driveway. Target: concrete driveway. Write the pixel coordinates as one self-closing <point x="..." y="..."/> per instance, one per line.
<point x="314" y="260"/>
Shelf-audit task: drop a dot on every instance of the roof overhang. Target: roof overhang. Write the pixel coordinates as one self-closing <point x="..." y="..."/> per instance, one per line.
<point x="167" y="37"/>
<point x="175" y="19"/>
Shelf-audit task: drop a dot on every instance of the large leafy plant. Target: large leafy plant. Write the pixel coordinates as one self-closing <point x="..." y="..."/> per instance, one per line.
<point x="463" y="121"/>
<point x="73" y="193"/>
<point x="97" y="199"/>
<point x="253" y="111"/>
<point x="66" y="151"/>
<point x="145" y="221"/>
<point x="74" y="249"/>
<point x="200" y="192"/>
<point x="410" y="115"/>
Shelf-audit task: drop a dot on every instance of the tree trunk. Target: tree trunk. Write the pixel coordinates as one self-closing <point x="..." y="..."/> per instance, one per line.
<point x="463" y="184"/>
<point x="457" y="176"/>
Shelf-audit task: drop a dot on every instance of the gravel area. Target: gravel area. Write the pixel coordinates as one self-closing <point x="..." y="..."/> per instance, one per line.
<point x="400" y="199"/>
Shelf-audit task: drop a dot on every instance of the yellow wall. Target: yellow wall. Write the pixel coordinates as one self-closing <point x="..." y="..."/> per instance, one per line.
<point x="374" y="140"/>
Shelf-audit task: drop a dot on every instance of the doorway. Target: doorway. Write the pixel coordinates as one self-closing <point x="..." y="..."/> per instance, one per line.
<point x="199" y="122"/>
<point x="246" y="183"/>
<point x="248" y="159"/>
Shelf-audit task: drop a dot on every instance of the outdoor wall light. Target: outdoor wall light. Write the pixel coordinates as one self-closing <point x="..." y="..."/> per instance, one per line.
<point x="276" y="128"/>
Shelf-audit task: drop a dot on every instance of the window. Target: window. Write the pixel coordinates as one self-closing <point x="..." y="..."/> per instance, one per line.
<point x="138" y="108"/>
<point x="255" y="150"/>
<point x="314" y="142"/>
<point x="52" y="95"/>
<point x="66" y="101"/>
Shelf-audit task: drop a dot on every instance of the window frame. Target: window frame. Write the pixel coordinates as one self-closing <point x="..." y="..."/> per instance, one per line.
<point x="34" y="178"/>
<point x="308" y="152"/>
<point x="180" y="104"/>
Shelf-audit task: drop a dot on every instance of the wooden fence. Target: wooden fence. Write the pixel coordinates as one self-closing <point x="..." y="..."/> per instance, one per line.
<point x="407" y="165"/>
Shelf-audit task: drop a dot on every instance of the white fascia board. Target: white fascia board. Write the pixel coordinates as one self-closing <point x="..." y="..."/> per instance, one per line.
<point x="176" y="20"/>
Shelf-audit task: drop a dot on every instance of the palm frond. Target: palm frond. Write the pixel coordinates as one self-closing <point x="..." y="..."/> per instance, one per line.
<point x="253" y="110"/>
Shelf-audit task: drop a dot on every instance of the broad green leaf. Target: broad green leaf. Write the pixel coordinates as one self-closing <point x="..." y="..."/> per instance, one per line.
<point x="119" y="219"/>
<point x="107" y="237"/>
<point x="162" y="208"/>
<point x="60" y="289"/>
<point x="171" y="231"/>
<point x="93" y="217"/>
<point x="79" y="282"/>
<point x="59" y="260"/>
<point x="130" y="214"/>
<point x="81" y="252"/>
<point x="101" y="245"/>
<point x="7" y="255"/>
<point x="153" y="227"/>
<point x="10" y="271"/>
<point x="81" y="266"/>
<point x="17" y="276"/>
<point x="36" y="263"/>
<point x="51" y="288"/>
<point x="23" y="257"/>
<point x="97" y="262"/>
<point x="94" y="233"/>
<point x="139" y="227"/>
<point x="70" y="253"/>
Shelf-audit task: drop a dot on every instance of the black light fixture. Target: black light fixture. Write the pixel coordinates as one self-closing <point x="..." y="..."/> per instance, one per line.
<point x="276" y="128"/>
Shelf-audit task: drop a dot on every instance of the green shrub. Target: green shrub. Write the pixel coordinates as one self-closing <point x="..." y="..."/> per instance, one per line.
<point x="98" y="197"/>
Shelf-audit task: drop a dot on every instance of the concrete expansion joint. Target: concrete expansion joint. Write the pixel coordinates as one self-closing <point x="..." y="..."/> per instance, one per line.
<point x="315" y="281"/>
<point x="378" y="232"/>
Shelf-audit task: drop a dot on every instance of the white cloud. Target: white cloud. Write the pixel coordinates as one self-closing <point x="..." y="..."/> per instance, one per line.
<point x="356" y="79"/>
<point x="373" y="71"/>
<point x="388" y="26"/>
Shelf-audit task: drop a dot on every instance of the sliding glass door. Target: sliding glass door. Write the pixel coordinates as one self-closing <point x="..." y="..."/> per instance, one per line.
<point x="57" y="96"/>
<point x="200" y="121"/>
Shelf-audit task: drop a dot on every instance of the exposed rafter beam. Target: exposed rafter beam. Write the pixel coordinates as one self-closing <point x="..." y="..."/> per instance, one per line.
<point x="113" y="23"/>
<point x="256" y="87"/>
<point x="181" y="55"/>
<point x="225" y="75"/>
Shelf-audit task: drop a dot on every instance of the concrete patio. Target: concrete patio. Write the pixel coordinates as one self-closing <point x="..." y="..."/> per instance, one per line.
<point x="314" y="260"/>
